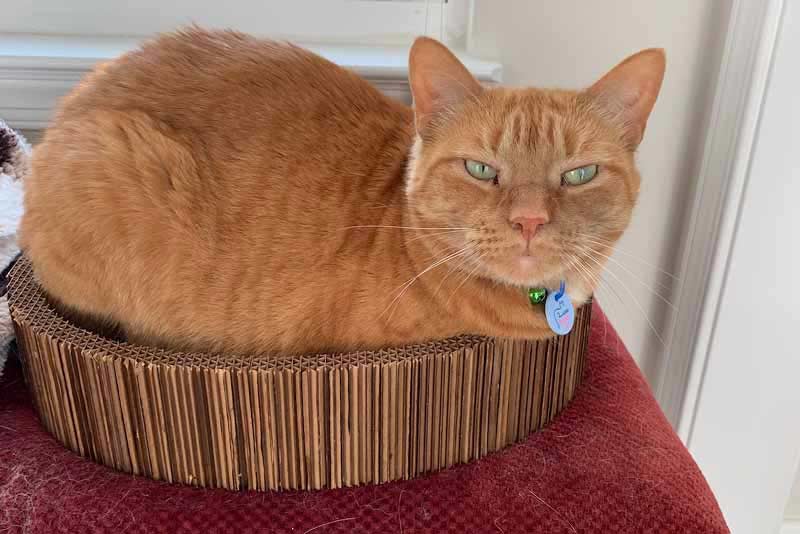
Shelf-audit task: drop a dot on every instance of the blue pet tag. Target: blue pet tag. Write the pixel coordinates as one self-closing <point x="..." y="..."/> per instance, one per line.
<point x="559" y="311"/>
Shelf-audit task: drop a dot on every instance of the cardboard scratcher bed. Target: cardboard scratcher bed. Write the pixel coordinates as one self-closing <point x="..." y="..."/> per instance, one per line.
<point x="301" y="422"/>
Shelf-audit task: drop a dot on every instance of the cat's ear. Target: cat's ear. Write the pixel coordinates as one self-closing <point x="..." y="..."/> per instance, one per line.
<point x="630" y="89"/>
<point x="439" y="81"/>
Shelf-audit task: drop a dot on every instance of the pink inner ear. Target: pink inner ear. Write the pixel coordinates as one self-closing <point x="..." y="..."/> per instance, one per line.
<point x="448" y="92"/>
<point x="628" y="96"/>
<point x="436" y="94"/>
<point x="438" y="91"/>
<point x="438" y="79"/>
<point x="630" y="90"/>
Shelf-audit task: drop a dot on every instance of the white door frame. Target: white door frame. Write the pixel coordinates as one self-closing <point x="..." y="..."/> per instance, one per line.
<point x="730" y="384"/>
<point x="748" y="50"/>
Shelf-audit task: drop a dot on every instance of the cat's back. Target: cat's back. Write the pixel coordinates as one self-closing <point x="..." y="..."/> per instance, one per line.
<point x="196" y="79"/>
<point x="203" y="152"/>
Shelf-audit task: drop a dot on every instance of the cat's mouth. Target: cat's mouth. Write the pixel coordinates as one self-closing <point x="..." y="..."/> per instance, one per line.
<point x="527" y="267"/>
<point x="527" y="261"/>
<point x="545" y="268"/>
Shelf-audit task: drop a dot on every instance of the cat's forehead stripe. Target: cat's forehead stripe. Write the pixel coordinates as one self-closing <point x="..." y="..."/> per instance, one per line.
<point x="513" y="129"/>
<point x="492" y="131"/>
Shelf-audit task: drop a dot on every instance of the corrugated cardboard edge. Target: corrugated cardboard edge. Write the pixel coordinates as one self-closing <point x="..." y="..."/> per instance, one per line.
<point x="299" y="422"/>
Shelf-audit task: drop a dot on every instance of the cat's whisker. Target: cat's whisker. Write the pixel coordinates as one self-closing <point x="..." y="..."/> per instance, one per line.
<point x="635" y="300"/>
<point x="644" y="284"/>
<point x="610" y="287"/>
<point x="569" y="261"/>
<point x="477" y="261"/>
<point x="435" y="254"/>
<point x="588" y="276"/>
<point x="599" y="283"/>
<point x="605" y="243"/>
<point x="607" y="257"/>
<point x="406" y="227"/>
<point x="403" y="288"/>
<point x="603" y="284"/>
<point x="594" y="281"/>
<point x="584" y="272"/>
<point x="619" y="304"/>
<point x="596" y="256"/>
<point x="454" y="269"/>
<point x="445" y="232"/>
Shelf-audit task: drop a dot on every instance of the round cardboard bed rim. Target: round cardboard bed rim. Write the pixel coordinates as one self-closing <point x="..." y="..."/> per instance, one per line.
<point x="161" y="356"/>
<point x="298" y="422"/>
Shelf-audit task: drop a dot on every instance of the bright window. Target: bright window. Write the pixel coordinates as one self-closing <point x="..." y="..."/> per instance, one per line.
<point x="47" y="46"/>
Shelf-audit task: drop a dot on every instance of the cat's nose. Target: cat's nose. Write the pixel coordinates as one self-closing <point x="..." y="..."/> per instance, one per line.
<point x="527" y="226"/>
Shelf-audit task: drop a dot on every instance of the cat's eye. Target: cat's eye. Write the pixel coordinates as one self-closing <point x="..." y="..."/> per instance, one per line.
<point x="480" y="171"/>
<point x="580" y="176"/>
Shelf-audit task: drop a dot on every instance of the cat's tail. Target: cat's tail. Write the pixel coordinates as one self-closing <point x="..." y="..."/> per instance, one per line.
<point x="15" y="153"/>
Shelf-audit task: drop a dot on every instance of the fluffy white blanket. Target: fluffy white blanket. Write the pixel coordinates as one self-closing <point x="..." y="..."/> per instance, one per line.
<point x="14" y="165"/>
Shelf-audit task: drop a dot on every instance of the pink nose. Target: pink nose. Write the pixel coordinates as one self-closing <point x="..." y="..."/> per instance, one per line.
<point x="527" y="225"/>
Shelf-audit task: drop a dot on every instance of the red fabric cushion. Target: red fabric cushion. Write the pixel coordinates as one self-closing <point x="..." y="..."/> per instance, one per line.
<point x="609" y="463"/>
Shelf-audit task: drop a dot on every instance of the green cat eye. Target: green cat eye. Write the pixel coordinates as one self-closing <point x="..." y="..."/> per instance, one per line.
<point x="480" y="171"/>
<point x="580" y="176"/>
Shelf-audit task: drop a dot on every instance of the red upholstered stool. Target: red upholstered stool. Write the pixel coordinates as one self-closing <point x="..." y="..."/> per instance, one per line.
<point x="609" y="463"/>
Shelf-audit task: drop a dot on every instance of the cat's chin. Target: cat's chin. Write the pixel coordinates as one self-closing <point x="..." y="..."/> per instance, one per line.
<point x="528" y="263"/>
<point x="525" y="272"/>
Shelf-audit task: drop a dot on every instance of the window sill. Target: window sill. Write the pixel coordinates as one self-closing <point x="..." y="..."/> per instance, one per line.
<point x="37" y="70"/>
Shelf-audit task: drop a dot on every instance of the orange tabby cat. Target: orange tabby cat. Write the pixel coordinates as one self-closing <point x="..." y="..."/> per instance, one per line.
<point x="215" y="191"/>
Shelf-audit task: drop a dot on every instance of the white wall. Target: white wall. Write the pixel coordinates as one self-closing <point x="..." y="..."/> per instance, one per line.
<point x="571" y="43"/>
<point x="793" y="508"/>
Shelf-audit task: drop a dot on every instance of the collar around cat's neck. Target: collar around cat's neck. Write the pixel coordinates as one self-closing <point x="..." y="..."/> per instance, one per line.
<point x="558" y="309"/>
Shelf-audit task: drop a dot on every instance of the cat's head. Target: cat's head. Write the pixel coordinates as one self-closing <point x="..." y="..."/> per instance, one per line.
<point x="537" y="185"/>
